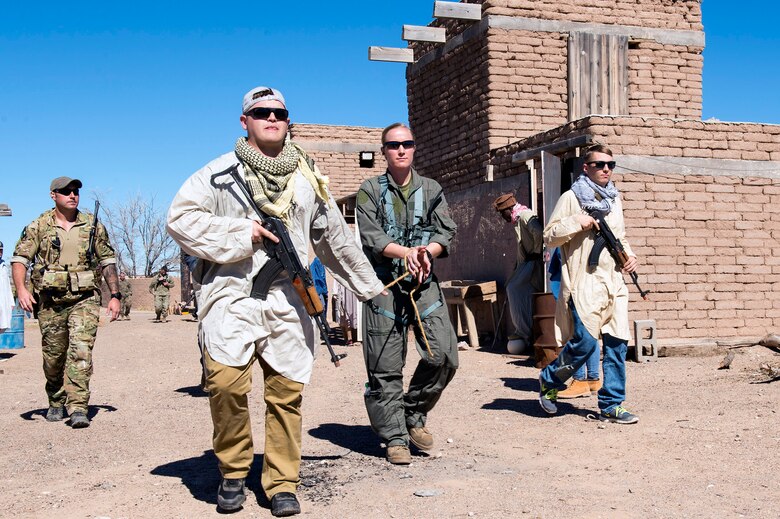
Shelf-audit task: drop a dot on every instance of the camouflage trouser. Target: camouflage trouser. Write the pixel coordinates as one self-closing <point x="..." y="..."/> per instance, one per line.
<point x="161" y="303"/>
<point x="124" y="311"/>
<point x="68" y="335"/>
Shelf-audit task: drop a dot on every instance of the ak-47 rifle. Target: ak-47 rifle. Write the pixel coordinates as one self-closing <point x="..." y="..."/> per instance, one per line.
<point x="92" y="232"/>
<point x="282" y="256"/>
<point x="606" y="238"/>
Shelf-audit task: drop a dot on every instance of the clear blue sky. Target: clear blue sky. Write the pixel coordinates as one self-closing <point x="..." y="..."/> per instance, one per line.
<point x="135" y="96"/>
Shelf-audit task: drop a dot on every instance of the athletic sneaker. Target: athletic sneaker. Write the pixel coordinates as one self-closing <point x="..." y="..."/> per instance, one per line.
<point x="618" y="415"/>
<point x="231" y="494"/>
<point x="547" y="398"/>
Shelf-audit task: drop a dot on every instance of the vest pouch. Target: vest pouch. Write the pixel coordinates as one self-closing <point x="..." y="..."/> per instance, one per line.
<point x="54" y="280"/>
<point x="82" y="281"/>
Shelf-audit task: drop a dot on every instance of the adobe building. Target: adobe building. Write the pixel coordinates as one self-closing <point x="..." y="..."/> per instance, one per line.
<point x="509" y="102"/>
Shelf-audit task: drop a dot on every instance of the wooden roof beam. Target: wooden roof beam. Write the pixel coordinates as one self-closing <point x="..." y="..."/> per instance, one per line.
<point x="457" y="11"/>
<point x="423" y="33"/>
<point x="395" y="54"/>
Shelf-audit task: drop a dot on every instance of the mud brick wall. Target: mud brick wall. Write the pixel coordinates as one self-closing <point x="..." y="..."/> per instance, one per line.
<point x="664" y="80"/>
<point x="335" y="150"/>
<point x="448" y="112"/>
<point x="498" y="85"/>
<point x="666" y="14"/>
<point x="527" y="90"/>
<point x="142" y="299"/>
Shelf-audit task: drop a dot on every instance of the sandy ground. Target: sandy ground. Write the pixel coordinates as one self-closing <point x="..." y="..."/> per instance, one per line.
<point x="707" y="445"/>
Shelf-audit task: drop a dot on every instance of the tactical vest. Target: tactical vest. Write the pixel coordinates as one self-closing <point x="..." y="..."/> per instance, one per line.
<point x="52" y="278"/>
<point x="410" y="236"/>
<point x="418" y="233"/>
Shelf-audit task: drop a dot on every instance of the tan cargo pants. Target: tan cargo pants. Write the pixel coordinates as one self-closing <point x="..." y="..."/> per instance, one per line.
<point x="228" y="387"/>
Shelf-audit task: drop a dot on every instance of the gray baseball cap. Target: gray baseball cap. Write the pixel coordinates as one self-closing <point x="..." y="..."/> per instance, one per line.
<point x="61" y="182"/>
<point x="261" y="93"/>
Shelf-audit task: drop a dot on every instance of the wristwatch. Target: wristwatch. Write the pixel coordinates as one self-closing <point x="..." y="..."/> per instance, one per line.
<point x="117" y="296"/>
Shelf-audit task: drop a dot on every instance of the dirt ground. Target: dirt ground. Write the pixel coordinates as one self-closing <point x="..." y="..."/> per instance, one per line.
<point x="707" y="444"/>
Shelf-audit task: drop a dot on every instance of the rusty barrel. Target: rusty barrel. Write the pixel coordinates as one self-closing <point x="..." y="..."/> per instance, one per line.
<point x="546" y="349"/>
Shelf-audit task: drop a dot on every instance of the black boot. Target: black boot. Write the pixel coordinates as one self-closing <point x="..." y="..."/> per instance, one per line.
<point x="284" y="504"/>
<point x="231" y="494"/>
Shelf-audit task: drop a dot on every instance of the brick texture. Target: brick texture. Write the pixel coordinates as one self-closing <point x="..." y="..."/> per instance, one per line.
<point x="503" y="85"/>
<point x="343" y="168"/>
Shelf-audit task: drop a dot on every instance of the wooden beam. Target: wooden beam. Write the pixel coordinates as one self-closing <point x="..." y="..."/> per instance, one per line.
<point x="423" y="33"/>
<point x="555" y="147"/>
<point x="457" y="11"/>
<point x="395" y="54"/>
<point x="5" y="210"/>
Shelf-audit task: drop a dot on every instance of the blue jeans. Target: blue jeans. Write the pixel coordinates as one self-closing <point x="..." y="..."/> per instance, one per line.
<point x="591" y="366"/>
<point x="574" y="354"/>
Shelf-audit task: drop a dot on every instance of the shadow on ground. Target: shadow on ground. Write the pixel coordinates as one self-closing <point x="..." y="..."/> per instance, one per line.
<point x="357" y="438"/>
<point x="93" y="411"/>
<point x="194" y="391"/>
<point x="201" y="476"/>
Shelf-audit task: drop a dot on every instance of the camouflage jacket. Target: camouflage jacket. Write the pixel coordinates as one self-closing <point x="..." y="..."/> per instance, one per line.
<point x="158" y="285"/>
<point x="40" y="247"/>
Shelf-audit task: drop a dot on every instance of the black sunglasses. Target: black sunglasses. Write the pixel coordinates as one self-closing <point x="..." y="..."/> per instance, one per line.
<point x="66" y="191"/>
<point x="262" y="112"/>
<point x="394" y="145"/>
<point x="599" y="164"/>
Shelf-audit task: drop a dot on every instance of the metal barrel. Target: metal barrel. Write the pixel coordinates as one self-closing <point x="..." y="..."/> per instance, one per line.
<point x="13" y="337"/>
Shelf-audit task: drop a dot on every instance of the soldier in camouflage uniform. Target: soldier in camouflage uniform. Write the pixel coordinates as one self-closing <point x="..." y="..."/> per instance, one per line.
<point x="404" y="223"/>
<point x="161" y="288"/>
<point x="65" y="279"/>
<point x="126" y="288"/>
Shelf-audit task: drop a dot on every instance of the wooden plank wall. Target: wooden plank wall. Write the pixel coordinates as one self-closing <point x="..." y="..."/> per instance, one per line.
<point x="598" y="74"/>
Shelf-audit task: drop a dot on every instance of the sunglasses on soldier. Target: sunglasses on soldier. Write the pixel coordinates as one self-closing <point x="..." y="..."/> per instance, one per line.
<point x="394" y="145"/>
<point x="262" y="112"/>
<point x="66" y="191"/>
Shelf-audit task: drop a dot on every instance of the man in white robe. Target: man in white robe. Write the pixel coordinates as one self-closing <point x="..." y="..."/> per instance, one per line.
<point x="211" y="219"/>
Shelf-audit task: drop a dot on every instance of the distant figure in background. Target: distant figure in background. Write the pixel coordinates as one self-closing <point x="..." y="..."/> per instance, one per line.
<point x="528" y="276"/>
<point x="6" y="296"/>
<point x="126" y="288"/>
<point x="320" y="283"/>
<point x="161" y="288"/>
<point x="345" y="306"/>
